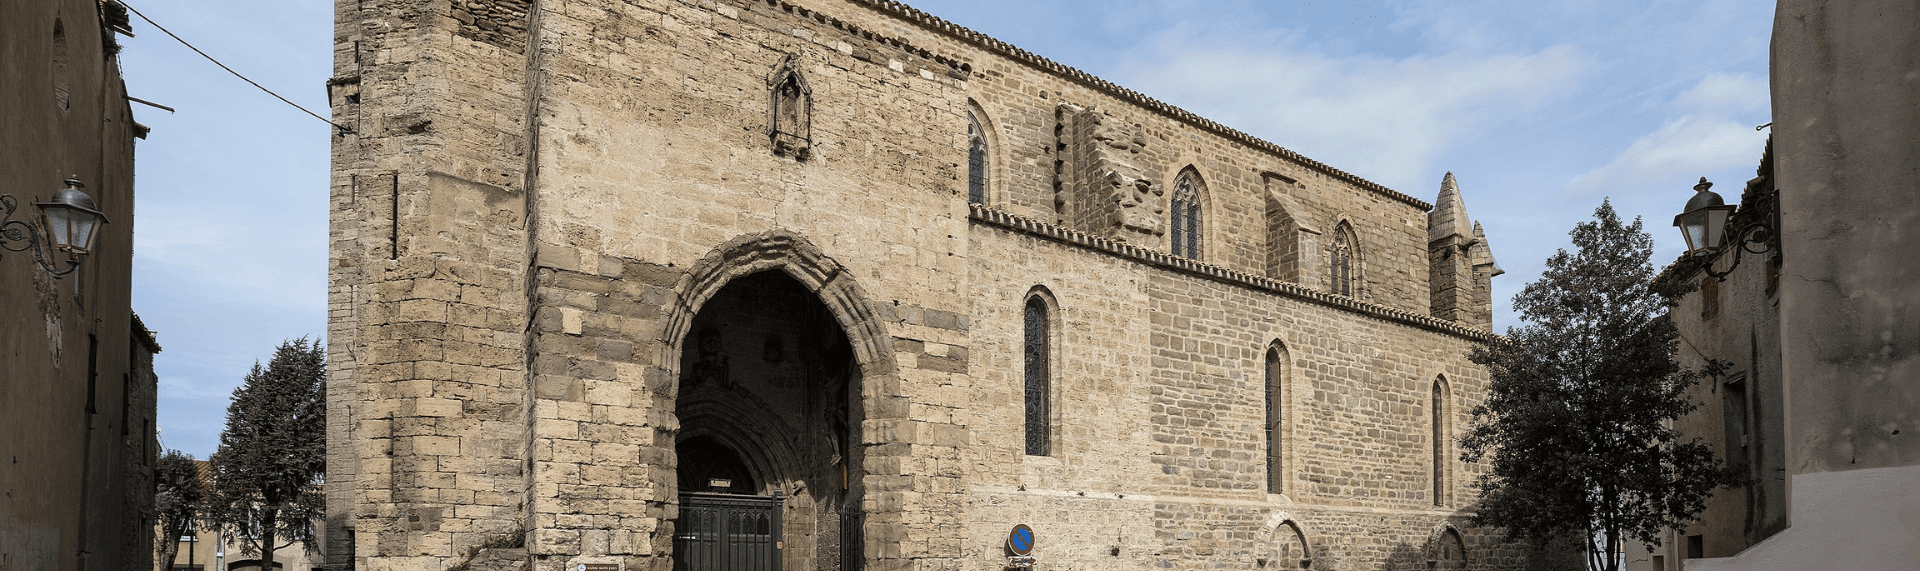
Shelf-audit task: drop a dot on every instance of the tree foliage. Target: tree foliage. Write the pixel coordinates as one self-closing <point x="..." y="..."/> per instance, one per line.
<point x="1576" y="421"/>
<point x="272" y="457"/>
<point x="179" y="492"/>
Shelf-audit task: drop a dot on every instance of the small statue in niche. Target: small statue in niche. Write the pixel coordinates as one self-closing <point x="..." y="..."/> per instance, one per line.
<point x="790" y="122"/>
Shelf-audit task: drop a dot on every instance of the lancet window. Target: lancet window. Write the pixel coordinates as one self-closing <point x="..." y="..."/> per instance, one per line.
<point x="1439" y="442"/>
<point x="1344" y="271"/>
<point x="1038" y="353"/>
<point x="976" y="160"/>
<point x="1186" y="217"/>
<point x="1276" y="377"/>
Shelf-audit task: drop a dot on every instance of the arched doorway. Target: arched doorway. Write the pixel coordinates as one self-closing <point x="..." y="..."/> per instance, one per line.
<point x="768" y="402"/>
<point x="1447" y="550"/>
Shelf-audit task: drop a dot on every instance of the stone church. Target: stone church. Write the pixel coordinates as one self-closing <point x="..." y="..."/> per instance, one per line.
<point x="837" y="284"/>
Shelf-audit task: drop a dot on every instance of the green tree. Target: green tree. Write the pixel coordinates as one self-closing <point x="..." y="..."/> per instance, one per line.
<point x="178" y="495"/>
<point x="267" y="473"/>
<point x="1576" y="423"/>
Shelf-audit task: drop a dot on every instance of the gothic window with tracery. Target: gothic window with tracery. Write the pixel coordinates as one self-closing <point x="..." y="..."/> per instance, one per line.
<point x="1037" y="355"/>
<point x="976" y="160"/>
<point x="1344" y="272"/>
<point x="1186" y="217"/>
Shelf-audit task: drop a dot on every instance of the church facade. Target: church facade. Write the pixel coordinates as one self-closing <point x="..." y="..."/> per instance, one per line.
<point x="836" y="284"/>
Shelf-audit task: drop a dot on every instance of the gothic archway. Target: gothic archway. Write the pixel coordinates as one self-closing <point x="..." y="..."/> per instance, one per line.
<point x="775" y="357"/>
<point x="1287" y="543"/>
<point x="1445" y="549"/>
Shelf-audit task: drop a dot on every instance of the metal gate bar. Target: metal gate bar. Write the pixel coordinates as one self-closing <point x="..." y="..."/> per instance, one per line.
<point x="853" y="551"/>
<point x="727" y="532"/>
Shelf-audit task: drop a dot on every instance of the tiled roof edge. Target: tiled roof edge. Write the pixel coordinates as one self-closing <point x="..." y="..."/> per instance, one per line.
<point x="144" y="336"/>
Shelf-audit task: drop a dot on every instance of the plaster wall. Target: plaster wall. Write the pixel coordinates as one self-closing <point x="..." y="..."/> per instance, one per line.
<point x="1844" y="78"/>
<point x="76" y="412"/>
<point x="1736" y="322"/>
<point x="1846" y="100"/>
<point x="1849" y="519"/>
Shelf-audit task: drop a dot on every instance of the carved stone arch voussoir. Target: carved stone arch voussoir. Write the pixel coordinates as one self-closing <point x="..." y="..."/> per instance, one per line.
<point x="1281" y="522"/>
<point x="741" y="424"/>
<point x="804" y="262"/>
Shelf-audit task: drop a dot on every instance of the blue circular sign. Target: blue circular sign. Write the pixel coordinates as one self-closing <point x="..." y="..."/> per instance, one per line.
<point x="1020" y="541"/>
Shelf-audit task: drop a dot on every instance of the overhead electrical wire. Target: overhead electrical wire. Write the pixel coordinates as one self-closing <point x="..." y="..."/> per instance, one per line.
<point x="157" y="26"/>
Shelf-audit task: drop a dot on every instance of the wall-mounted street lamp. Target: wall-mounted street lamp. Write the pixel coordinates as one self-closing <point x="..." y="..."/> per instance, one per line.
<point x="70" y="220"/>
<point x="1704" y="225"/>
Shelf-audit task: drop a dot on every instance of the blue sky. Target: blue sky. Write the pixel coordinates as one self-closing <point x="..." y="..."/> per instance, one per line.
<point x="1540" y="109"/>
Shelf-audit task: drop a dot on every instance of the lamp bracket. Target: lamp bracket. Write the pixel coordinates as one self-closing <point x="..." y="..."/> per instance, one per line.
<point x="1753" y="233"/>
<point x="18" y="235"/>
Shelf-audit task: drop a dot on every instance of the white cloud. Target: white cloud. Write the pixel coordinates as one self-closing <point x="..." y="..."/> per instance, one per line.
<point x="1727" y="94"/>
<point x="1381" y="118"/>
<point x="1672" y="157"/>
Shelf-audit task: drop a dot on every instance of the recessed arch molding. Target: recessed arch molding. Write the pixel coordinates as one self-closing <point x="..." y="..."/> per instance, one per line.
<point x="799" y="258"/>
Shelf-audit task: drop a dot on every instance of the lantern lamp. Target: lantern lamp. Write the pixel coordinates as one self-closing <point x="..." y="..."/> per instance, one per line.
<point x="71" y="220"/>
<point x="1704" y="223"/>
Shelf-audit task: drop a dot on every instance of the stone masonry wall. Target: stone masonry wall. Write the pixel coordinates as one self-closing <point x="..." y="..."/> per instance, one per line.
<point x="518" y="254"/>
<point x="1159" y="396"/>
<point x="1020" y="94"/>
<point x="427" y="294"/>
<point x="659" y="157"/>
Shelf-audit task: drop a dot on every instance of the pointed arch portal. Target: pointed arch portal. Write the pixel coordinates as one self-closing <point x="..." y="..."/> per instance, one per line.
<point x="1445" y="550"/>
<point x="774" y="359"/>
<point x="1288" y="543"/>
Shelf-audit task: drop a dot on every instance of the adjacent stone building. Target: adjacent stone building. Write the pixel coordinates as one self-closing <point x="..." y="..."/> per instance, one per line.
<point x="637" y="284"/>
<point x="77" y="385"/>
<point x="1820" y="399"/>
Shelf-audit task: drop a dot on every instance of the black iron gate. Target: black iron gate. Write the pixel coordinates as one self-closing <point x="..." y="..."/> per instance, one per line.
<point x="853" y="549"/>
<point x="727" y="532"/>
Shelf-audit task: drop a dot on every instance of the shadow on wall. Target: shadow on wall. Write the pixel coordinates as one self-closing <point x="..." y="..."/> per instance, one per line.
<point x="1406" y="557"/>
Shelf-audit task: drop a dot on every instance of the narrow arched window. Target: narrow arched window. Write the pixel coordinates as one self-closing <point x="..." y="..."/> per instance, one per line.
<point x="976" y="160"/>
<point x="62" y="67"/>
<point x="1276" y="416"/>
<point x="1439" y="443"/>
<point x="1037" y="354"/>
<point x="1186" y="217"/>
<point x="1344" y="273"/>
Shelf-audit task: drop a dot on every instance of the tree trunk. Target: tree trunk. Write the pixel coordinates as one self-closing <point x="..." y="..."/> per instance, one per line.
<point x="268" y="522"/>
<point x="169" y="549"/>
